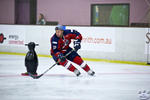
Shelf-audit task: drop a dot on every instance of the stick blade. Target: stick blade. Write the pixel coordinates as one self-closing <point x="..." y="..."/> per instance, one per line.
<point x="34" y="76"/>
<point x="37" y="77"/>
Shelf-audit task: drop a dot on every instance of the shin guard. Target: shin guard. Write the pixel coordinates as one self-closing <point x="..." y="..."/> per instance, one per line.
<point x="70" y="67"/>
<point x="78" y="60"/>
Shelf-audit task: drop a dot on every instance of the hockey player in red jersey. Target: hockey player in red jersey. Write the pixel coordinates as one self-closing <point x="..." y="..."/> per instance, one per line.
<point x="60" y="47"/>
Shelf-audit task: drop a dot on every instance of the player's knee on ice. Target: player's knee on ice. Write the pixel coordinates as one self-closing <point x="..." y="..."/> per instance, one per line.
<point x="31" y="59"/>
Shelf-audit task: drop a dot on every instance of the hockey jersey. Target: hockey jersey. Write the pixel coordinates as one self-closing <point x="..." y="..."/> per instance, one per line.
<point x="60" y="45"/>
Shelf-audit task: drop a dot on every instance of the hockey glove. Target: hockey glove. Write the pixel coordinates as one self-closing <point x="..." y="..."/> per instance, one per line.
<point x="61" y="57"/>
<point x="77" y="44"/>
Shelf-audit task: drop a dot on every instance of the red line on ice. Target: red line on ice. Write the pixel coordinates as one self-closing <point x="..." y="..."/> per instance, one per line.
<point x="68" y="75"/>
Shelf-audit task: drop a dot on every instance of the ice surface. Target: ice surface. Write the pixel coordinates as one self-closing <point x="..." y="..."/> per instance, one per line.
<point x="111" y="82"/>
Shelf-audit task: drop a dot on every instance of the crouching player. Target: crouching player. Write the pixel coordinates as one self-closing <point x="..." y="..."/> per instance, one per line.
<point x="60" y="47"/>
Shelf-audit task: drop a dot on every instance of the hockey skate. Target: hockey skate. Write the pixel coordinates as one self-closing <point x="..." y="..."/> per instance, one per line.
<point x="77" y="72"/>
<point x="90" y="72"/>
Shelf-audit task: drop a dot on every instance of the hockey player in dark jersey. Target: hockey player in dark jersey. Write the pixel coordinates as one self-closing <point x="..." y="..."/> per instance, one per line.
<point x="60" y="47"/>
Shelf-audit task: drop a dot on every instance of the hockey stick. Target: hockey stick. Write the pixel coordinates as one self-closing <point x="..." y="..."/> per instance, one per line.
<point x="36" y="77"/>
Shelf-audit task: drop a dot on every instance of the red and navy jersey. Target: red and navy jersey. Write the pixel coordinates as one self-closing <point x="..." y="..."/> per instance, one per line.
<point x="60" y="45"/>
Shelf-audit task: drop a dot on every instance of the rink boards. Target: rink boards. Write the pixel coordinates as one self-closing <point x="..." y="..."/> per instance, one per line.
<point x="113" y="43"/>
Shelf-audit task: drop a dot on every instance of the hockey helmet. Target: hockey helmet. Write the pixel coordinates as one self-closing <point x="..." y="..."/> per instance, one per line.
<point x="60" y="27"/>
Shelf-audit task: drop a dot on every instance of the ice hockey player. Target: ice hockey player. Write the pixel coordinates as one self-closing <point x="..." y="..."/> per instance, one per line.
<point x="31" y="60"/>
<point x="60" y="47"/>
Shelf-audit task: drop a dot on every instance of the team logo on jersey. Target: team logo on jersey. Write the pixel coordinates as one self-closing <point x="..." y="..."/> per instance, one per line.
<point x="2" y="38"/>
<point x="54" y="47"/>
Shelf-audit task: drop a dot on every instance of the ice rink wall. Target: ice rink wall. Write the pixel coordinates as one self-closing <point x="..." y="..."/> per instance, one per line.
<point x="112" y="43"/>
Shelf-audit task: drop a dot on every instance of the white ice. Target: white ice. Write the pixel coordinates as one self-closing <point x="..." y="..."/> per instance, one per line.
<point x="111" y="82"/>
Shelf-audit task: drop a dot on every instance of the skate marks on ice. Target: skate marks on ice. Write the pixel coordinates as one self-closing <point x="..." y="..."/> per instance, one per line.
<point x="69" y="75"/>
<point x="111" y="81"/>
